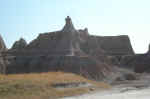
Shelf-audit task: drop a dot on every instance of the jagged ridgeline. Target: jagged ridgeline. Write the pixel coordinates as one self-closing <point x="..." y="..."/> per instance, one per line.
<point x="67" y="50"/>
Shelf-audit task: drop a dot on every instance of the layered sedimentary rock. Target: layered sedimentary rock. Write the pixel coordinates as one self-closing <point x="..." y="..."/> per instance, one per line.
<point x="64" y="42"/>
<point x="79" y="42"/>
<point x="116" y="45"/>
<point x="68" y="50"/>
<point x="85" y="66"/>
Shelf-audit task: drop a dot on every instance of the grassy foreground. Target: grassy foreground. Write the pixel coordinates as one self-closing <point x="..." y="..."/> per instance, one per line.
<point x="39" y="85"/>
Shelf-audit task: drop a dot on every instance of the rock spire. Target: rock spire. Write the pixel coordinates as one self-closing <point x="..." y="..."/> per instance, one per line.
<point x="69" y="25"/>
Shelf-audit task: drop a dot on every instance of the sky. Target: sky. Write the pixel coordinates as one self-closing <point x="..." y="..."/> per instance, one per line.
<point x="28" y="18"/>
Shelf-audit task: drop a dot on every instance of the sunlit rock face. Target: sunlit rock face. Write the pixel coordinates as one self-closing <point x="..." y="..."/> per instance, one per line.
<point x="70" y="41"/>
<point x="64" y="42"/>
<point x="69" y="50"/>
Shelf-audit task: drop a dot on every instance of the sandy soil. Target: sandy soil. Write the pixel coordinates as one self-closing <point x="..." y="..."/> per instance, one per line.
<point x="137" y="89"/>
<point x="116" y="94"/>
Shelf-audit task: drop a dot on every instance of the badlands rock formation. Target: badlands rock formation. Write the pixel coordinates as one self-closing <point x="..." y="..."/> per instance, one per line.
<point x="69" y="50"/>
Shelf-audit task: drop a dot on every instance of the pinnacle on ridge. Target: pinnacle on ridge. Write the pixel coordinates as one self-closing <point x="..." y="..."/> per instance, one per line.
<point x="68" y="26"/>
<point x="68" y="20"/>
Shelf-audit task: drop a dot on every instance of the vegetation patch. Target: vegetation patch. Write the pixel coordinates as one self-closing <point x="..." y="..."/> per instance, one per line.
<point x="41" y="85"/>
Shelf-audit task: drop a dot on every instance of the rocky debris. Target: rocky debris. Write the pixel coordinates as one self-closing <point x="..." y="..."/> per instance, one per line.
<point x="19" y="45"/>
<point x="124" y="77"/>
<point x="130" y="76"/>
<point x="139" y="63"/>
<point x="71" y="85"/>
<point x="127" y="89"/>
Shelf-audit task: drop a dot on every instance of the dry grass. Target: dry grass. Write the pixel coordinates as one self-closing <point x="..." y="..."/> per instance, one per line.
<point x="38" y="85"/>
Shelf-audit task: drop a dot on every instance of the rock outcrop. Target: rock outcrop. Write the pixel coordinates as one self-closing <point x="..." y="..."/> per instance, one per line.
<point x="2" y="44"/>
<point x="139" y="62"/>
<point x="68" y="50"/>
<point x="70" y="41"/>
<point x="2" y="61"/>
<point x="116" y="45"/>
<point x="19" y="45"/>
<point x="85" y="66"/>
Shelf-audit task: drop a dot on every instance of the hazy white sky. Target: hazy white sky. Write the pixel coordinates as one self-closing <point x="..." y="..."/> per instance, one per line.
<point x="28" y="18"/>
